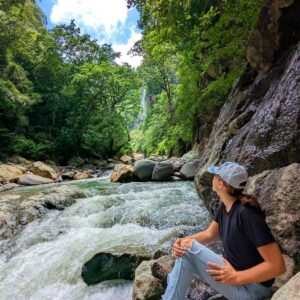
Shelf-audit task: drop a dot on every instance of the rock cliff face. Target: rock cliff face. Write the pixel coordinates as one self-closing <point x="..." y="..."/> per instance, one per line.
<point x="260" y="127"/>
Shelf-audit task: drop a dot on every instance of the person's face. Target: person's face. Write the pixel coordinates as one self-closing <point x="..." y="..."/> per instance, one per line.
<point x="217" y="184"/>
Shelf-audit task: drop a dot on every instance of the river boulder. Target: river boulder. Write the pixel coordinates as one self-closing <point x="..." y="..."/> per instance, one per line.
<point x="126" y="159"/>
<point x="9" y="173"/>
<point x="31" y="179"/>
<point x="82" y="175"/>
<point x="278" y="192"/>
<point x="107" y="266"/>
<point x="41" y="169"/>
<point x="122" y="173"/>
<point x="162" y="171"/>
<point x="143" y="169"/>
<point x="146" y="286"/>
<point x="290" y="291"/>
<point x="189" y="169"/>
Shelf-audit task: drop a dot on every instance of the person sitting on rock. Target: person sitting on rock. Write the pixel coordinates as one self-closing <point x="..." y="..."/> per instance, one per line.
<point x="251" y="257"/>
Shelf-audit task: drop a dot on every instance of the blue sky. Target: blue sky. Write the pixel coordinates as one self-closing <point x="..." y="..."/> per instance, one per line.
<point x="109" y="21"/>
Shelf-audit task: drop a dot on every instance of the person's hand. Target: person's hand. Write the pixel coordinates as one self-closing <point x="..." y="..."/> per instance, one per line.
<point x="223" y="274"/>
<point x="180" y="245"/>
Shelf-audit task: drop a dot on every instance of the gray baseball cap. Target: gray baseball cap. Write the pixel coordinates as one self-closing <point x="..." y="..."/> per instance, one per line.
<point x="232" y="173"/>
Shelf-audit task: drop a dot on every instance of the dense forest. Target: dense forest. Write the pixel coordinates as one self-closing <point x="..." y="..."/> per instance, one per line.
<point x="62" y="95"/>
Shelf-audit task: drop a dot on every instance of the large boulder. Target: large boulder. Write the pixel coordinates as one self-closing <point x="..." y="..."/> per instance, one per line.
<point x="146" y="286"/>
<point x="290" y="291"/>
<point x="278" y="192"/>
<point x="122" y="173"/>
<point x="143" y="169"/>
<point x="162" y="171"/>
<point x="189" y="169"/>
<point x="277" y="28"/>
<point x="31" y="179"/>
<point x="107" y="266"/>
<point x="9" y="173"/>
<point x="41" y="169"/>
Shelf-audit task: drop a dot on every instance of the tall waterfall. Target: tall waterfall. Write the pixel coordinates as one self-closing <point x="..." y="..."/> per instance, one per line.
<point x="143" y="110"/>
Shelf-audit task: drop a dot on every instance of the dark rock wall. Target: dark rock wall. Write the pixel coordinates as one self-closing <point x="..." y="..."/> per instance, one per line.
<point x="260" y="127"/>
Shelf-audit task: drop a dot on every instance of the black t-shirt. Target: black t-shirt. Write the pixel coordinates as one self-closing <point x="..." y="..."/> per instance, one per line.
<point x="242" y="230"/>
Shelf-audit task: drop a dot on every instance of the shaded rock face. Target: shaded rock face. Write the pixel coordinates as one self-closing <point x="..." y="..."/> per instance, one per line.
<point x="276" y="30"/>
<point x="260" y="127"/>
<point x="107" y="266"/>
<point x="278" y="192"/>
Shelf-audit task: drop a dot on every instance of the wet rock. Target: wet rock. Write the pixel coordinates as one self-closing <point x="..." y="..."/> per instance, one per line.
<point x="17" y="211"/>
<point x="122" y="173"/>
<point x="126" y="159"/>
<point x="55" y="198"/>
<point x="143" y="169"/>
<point x="276" y="30"/>
<point x="146" y="286"/>
<point x="290" y="291"/>
<point x="9" y="173"/>
<point x="82" y="175"/>
<point x="41" y="169"/>
<point x="107" y="266"/>
<point x="30" y="179"/>
<point x="189" y="169"/>
<point x="9" y="186"/>
<point x="162" y="171"/>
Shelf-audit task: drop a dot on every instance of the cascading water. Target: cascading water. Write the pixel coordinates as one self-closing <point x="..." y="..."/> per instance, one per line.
<point x="44" y="261"/>
<point x="143" y="111"/>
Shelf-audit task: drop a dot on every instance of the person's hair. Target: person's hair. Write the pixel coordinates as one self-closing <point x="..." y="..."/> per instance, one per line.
<point x="244" y="198"/>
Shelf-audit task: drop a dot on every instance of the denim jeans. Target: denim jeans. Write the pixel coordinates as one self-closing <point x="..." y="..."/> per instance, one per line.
<point x="194" y="264"/>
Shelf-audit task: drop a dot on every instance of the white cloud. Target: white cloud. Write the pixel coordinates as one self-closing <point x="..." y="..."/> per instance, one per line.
<point x="134" y="61"/>
<point x="105" y="17"/>
<point x="95" y="14"/>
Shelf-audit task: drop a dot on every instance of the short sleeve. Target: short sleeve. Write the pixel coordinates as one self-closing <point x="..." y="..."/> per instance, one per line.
<point x="256" y="227"/>
<point x="218" y="213"/>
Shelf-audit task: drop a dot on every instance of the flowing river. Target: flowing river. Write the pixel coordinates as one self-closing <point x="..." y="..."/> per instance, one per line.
<point x="44" y="261"/>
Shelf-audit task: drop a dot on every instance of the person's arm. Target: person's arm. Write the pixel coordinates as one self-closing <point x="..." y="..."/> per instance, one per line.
<point x="207" y="236"/>
<point x="272" y="266"/>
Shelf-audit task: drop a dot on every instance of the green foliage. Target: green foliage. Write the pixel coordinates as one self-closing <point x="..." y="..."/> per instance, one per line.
<point x="199" y="47"/>
<point x="61" y="93"/>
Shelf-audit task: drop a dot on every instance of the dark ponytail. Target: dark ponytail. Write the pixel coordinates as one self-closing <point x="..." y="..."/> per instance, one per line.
<point x="244" y="198"/>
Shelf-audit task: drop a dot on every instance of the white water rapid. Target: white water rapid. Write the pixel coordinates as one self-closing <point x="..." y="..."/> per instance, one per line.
<point x="44" y="261"/>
